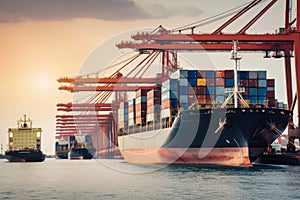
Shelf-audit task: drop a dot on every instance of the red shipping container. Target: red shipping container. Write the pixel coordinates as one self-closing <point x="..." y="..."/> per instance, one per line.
<point x="141" y="92"/>
<point x="270" y="82"/>
<point x="153" y="101"/>
<point x="200" y="74"/>
<point x="141" y="113"/>
<point x="244" y="83"/>
<point x="252" y="83"/>
<point x="220" y="73"/>
<point x="141" y="106"/>
<point x="271" y="102"/>
<point x="140" y="120"/>
<point x="209" y="98"/>
<point x="201" y="99"/>
<point x="220" y="81"/>
<point x="153" y="93"/>
<point x="201" y="90"/>
<point x="229" y="74"/>
<point x="131" y="108"/>
<point x="271" y="94"/>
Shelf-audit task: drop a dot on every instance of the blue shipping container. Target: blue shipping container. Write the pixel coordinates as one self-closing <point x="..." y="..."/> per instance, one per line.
<point x="210" y="74"/>
<point x="184" y="106"/>
<point x="262" y="74"/>
<point x="220" y="90"/>
<point x="183" y="82"/>
<point x="192" y="73"/>
<point x="183" y="98"/>
<point x="262" y="92"/>
<point x="210" y="90"/>
<point x="183" y="90"/>
<point x="252" y="92"/>
<point x="193" y="81"/>
<point x="220" y="99"/>
<point x="252" y="74"/>
<point x="168" y="95"/>
<point x="243" y="74"/>
<point x="262" y="83"/>
<point x="270" y="89"/>
<point x="253" y="100"/>
<point x="229" y="82"/>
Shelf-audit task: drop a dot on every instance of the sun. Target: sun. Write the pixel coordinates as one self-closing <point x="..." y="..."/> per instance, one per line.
<point x="42" y="82"/>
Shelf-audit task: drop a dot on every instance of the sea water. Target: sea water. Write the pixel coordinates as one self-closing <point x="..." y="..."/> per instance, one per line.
<point x="116" y="179"/>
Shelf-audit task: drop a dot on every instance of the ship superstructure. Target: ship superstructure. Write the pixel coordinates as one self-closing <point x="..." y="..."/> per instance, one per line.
<point x="24" y="142"/>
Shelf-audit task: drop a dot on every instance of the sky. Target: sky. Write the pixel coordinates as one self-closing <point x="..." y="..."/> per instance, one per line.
<point x="43" y="40"/>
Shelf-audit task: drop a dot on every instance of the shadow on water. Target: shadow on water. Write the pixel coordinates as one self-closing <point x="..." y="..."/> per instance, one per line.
<point x="203" y="168"/>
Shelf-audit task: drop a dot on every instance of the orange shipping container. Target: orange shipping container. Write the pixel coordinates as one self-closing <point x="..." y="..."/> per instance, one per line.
<point x="201" y="82"/>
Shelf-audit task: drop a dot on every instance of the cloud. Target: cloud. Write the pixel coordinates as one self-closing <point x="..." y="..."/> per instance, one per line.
<point x="21" y="10"/>
<point x="168" y="8"/>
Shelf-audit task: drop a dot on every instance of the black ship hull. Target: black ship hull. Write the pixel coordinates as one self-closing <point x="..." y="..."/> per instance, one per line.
<point x="81" y="153"/>
<point x="232" y="136"/>
<point x="62" y="154"/>
<point x="279" y="159"/>
<point x="25" y="156"/>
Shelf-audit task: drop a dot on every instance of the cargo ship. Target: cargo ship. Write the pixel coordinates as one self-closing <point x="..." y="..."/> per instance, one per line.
<point x="81" y="147"/>
<point x="24" y="143"/>
<point x="62" y="149"/>
<point x="203" y="117"/>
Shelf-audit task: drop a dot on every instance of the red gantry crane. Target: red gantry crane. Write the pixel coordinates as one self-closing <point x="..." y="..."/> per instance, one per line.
<point x="283" y="44"/>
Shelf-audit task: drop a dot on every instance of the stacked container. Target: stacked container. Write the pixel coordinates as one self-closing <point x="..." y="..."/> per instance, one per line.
<point x="131" y="113"/>
<point x="271" y="92"/>
<point x="123" y="115"/>
<point x="141" y="106"/>
<point x="169" y="101"/>
<point x="153" y="105"/>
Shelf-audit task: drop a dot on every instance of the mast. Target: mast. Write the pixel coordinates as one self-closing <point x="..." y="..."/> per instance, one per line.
<point x="236" y="57"/>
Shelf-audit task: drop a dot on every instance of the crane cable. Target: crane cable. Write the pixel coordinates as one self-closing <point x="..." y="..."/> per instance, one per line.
<point x="212" y="19"/>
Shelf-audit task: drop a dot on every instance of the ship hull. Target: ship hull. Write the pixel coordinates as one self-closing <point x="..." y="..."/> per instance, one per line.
<point x="81" y="153"/>
<point x="24" y="156"/>
<point x="231" y="137"/>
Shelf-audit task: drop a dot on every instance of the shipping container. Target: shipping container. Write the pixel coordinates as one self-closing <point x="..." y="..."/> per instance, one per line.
<point x="244" y="82"/>
<point x="220" y="74"/>
<point x="141" y="99"/>
<point x="170" y="84"/>
<point x="165" y="113"/>
<point x="253" y="75"/>
<point x="252" y="92"/>
<point x="210" y="82"/>
<point x="154" y="108"/>
<point x="183" y="99"/>
<point x="229" y="82"/>
<point x="220" y="99"/>
<point x="201" y="74"/>
<point x="229" y="74"/>
<point x="270" y="82"/>
<point x="192" y="81"/>
<point x="220" y="81"/>
<point x="141" y="92"/>
<point x="168" y="95"/>
<point x="220" y="90"/>
<point x="201" y="82"/>
<point x="262" y="83"/>
<point x="192" y="73"/>
<point x="243" y="74"/>
<point x="262" y="92"/>
<point x="170" y="103"/>
<point x="252" y="83"/>
<point x="262" y="75"/>
<point x="209" y="74"/>
<point x="210" y="90"/>
<point x="183" y="90"/>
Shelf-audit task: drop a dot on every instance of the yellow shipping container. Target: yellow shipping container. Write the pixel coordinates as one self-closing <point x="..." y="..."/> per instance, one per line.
<point x="201" y="82"/>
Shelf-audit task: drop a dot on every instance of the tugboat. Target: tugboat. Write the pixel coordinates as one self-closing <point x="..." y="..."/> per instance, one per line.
<point x="81" y="147"/>
<point x="24" y="143"/>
